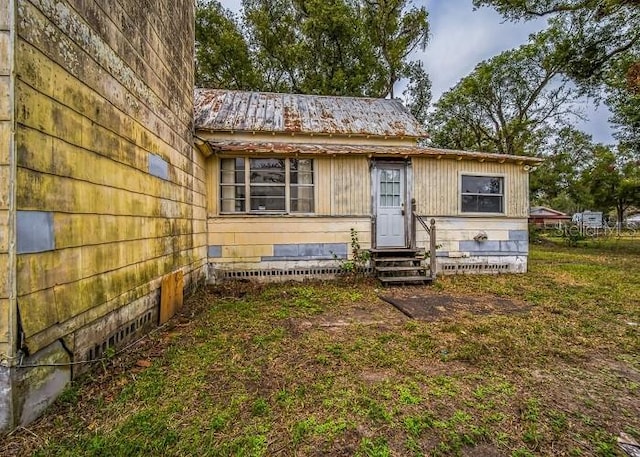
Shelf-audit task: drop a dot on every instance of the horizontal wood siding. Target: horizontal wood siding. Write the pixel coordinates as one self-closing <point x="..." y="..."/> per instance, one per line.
<point x="450" y="231"/>
<point x="6" y="64"/>
<point x="104" y="91"/>
<point x="437" y="191"/>
<point x="248" y="239"/>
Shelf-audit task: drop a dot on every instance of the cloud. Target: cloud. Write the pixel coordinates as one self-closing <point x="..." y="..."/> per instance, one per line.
<point x="461" y="38"/>
<point x="233" y="5"/>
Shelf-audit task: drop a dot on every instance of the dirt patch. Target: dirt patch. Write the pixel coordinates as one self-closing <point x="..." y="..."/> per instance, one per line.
<point x="348" y="318"/>
<point x="430" y="306"/>
<point x="482" y="450"/>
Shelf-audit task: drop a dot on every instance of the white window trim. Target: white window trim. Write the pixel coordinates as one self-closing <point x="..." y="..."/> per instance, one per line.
<point x="247" y="187"/>
<point x="483" y="175"/>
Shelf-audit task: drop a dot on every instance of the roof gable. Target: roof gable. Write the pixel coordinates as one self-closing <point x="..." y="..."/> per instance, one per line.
<point x="227" y="110"/>
<point x="545" y="211"/>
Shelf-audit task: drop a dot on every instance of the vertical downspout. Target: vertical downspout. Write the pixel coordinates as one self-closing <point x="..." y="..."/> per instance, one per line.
<point x="13" y="172"/>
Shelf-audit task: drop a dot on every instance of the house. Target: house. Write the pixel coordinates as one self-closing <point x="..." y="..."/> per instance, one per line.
<point x="102" y="193"/>
<point x="111" y="210"/>
<point x="288" y="176"/>
<point x="541" y="216"/>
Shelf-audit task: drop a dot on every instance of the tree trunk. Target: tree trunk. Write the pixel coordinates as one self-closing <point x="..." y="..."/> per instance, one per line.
<point x="620" y="214"/>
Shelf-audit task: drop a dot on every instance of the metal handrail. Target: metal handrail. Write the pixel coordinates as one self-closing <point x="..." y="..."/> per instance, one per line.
<point x="422" y="222"/>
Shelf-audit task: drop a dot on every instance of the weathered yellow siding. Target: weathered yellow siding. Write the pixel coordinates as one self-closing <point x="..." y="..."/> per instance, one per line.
<point x="101" y="87"/>
<point x="6" y="64"/>
<point x="249" y="239"/>
<point x="213" y="185"/>
<point x="452" y="230"/>
<point x="351" y="186"/>
<point x="437" y="189"/>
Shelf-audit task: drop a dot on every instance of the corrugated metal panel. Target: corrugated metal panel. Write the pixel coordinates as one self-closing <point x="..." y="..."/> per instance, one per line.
<point x="224" y="110"/>
<point x="436" y="185"/>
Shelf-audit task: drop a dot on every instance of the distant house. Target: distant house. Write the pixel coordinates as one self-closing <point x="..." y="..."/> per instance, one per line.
<point x="542" y="216"/>
<point x="288" y="176"/>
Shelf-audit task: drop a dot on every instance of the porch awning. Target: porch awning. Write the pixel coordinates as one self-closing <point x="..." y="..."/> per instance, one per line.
<point x="249" y="147"/>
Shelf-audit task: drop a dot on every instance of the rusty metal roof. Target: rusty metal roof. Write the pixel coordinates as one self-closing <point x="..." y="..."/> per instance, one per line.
<point x="251" y="147"/>
<point x="228" y="110"/>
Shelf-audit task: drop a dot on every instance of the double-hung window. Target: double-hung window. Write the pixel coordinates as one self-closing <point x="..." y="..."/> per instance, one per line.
<point x="482" y="194"/>
<point x="266" y="185"/>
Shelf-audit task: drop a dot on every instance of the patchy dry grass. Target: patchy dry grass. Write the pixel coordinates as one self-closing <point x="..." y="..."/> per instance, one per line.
<point x="329" y="369"/>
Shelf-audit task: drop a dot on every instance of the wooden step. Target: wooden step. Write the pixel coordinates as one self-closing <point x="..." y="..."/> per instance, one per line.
<point x="406" y="268"/>
<point x="394" y="251"/>
<point x="405" y="279"/>
<point x="396" y="259"/>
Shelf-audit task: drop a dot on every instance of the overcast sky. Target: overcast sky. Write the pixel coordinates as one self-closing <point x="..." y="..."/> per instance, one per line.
<point x="461" y="38"/>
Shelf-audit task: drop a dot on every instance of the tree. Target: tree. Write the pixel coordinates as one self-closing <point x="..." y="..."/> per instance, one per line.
<point x="506" y="105"/>
<point x="313" y="47"/>
<point x="594" y="33"/>
<point x="222" y="55"/>
<point x="417" y="94"/>
<point x="324" y="47"/>
<point x="623" y="98"/>
<point x="397" y="28"/>
<point x="614" y="181"/>
<point x="557" y="182"/>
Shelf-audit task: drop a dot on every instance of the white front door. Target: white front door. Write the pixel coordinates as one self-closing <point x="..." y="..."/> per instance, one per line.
<point x="390" y="205"/>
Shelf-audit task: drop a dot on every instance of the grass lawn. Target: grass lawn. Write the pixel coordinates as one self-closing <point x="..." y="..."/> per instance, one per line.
<point x="316" y="369"/>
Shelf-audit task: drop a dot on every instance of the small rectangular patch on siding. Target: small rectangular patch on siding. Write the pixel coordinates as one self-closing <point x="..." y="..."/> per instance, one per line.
<point x="339" y="249"/>
<point x="480" y="246"/>
<point x="214" y="251"/>
<point x="518" y="235"/>
<point x="34" y="232"/>
<point x="308" y="251"/>
<point x="495" y="248"/>
<point x="158" y="166"/>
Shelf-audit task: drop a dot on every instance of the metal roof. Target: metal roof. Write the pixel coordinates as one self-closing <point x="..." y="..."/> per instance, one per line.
<point x="228" y="110"/>
<point x="251" y="147"/>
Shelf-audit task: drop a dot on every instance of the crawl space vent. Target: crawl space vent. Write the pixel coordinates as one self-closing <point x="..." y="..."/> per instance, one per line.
<point x="130" y="331"/>
<point x="474" y="268"/>
<point x="294" y="273"/>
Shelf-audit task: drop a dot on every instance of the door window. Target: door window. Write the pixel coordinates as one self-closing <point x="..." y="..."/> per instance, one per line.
<point x="390" y="189"/>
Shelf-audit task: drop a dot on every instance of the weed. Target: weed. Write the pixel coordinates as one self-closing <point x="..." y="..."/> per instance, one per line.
<point x="374" y="410"/>
<point x="531" y="411"/>
<point x="260" y="407"/>
<point x="374" y="448"/>
<point x="218" y="422"/>
<point x="558" y="421"/>
<point x="70" y="394"/>
<point x="414" y="426"/>
<point x="358" y="264"/>
<point x="408" y="395"/>
<point x="301" y="429"/>
<point x="443" y="386"/>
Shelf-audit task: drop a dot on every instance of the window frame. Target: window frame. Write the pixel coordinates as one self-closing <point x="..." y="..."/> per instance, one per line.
<point x="502" y="195"/>
<point x="247" y="185"/>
